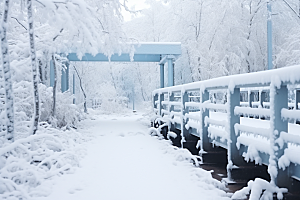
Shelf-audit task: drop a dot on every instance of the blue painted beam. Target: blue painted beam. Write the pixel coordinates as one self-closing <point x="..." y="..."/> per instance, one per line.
<point x="114" y="58"/>
<point x="158" y="48"/>
<point x="144" y="52"/>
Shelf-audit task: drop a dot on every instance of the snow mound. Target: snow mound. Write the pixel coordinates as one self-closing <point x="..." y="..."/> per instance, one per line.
<point x="260" y="189"/>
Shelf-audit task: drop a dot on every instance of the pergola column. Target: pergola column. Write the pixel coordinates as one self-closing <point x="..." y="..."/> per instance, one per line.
<point x="162" y="76"/>
<point x="65" y="78"/>
<point x="170" y="72"/>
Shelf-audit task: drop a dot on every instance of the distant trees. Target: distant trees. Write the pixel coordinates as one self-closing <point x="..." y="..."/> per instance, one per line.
<point x="222" y="37"/>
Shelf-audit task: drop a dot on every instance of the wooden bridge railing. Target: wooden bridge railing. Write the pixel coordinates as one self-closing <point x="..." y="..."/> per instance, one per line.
<point x="257" y="130"/>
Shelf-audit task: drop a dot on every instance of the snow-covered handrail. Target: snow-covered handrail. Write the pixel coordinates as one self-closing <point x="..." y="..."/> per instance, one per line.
<point x="230" y="133"/>
<point x="286" y="75"/>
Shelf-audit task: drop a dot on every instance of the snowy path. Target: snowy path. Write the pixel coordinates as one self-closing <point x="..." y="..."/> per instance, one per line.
<point x="124" y="162"/>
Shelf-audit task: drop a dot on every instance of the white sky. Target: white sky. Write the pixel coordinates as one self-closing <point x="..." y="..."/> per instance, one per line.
<point x="133" y="5"/>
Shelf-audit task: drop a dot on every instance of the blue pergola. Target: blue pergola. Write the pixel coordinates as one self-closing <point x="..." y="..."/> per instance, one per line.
<point x="144" y="52"/>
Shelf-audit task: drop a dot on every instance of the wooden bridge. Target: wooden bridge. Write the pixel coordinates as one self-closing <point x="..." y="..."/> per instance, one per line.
<point x="248" y="122"/>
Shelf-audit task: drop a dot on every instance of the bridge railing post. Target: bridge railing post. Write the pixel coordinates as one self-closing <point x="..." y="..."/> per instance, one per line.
<point x="278" y="101"/>
<point x="205" y="144"/>
<point x="250" y="98"/>
<point x="262" y="98"/>
<point x="171" y="108"/>
<point x="233" y="100"/>
<point x="184" y="120"/>
<point x="74" y="89"/>
<point x="297" y="99"/>
<point x="155" y="102"/>
<point x="161" y="98"/>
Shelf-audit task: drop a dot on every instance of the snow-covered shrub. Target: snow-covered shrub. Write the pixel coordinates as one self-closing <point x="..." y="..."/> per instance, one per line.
<point x="66" y="113"/>
<point x="26" y="163"/>
<point x="114" y="105"/>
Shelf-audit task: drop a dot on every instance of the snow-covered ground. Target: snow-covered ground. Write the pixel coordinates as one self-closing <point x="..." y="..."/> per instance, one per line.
<point x="124" y="162"/>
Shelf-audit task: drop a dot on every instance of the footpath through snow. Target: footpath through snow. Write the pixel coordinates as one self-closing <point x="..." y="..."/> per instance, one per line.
<point x="124" y="162"/>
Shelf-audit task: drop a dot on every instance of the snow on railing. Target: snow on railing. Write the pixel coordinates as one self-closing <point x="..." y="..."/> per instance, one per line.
<point x="224" y="124"/>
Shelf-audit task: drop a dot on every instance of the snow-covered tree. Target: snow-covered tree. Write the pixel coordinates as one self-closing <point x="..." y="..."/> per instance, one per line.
<point x="7" y="74"/>
<point x="34" y="72"/>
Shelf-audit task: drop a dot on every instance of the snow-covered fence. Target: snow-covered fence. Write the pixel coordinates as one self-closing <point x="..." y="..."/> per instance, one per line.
<point x="261" y="130"/>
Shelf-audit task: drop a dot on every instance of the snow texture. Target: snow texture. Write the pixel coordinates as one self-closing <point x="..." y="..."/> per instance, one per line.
<point x="122" y="157"/>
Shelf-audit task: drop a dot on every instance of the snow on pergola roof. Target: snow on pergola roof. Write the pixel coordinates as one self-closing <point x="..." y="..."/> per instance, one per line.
<point x="144" y="52"/>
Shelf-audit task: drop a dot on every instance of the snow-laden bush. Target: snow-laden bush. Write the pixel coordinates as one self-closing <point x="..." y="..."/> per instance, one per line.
<point x="114" y="105"/>
<point x="66" y="114"/>
<point x="26" y="163"/>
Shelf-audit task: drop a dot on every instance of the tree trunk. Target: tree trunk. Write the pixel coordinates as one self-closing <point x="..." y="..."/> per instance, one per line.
<point x="7" y="76"/>
<point x="54" y="85"/>
<point x="34" y="69"/>
<point x="80" y="83"/>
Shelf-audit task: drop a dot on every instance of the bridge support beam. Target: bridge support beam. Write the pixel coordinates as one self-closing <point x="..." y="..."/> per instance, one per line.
<point x="170" y="72"/>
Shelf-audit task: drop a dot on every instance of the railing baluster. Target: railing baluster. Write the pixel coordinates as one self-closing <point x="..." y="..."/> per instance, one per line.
<point x="184" y="110"/>
<point x="155" y="98"/>
<point x="278" y="100"/>
<point x="262" y="98"/>
<point x="205" y="144"/>
<point x="160" y="100"/>
<point x="297" y="99"/>
<point x="250" y="98"/>
<point x="171" y="108"/>
<point x="233" y="153"/>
